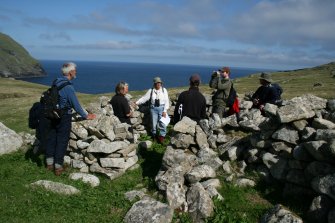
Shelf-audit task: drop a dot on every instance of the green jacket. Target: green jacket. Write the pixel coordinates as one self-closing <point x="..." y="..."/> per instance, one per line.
<point x="222" y="87"/>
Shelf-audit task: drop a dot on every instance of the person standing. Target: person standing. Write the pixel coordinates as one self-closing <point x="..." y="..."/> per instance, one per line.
<point x="159" y="104"/>
<point x="221" y="82"/>
<point x="59" y="129"/>
<point x="266" y="93"/>
<point x="191" y="103"/>
<point x="120" y="103"/>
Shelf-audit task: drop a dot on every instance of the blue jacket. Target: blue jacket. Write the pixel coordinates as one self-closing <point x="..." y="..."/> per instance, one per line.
<point x="68" y="98"/>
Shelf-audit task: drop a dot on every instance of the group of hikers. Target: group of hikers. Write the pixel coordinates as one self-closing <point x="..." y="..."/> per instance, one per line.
<point x="190" y="103"/>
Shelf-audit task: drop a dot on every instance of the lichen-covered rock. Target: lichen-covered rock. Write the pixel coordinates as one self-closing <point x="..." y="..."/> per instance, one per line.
<point x="200" y="205"/>
<point x="56" y="187"/>
<point x="149" y="211"/>
<point x="280" y="214"/>
<point x="10" y="141"/>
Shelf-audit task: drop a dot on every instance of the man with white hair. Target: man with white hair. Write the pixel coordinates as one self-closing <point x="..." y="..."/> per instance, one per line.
<point x="59" y="131"/>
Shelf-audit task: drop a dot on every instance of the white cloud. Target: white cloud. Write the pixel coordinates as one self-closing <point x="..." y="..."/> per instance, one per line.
<point x="55" y="36"/>
<point x="288" y="32"/>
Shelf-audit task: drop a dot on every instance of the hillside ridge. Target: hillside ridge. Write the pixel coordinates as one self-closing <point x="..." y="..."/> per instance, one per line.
<point x="15" y="60"/>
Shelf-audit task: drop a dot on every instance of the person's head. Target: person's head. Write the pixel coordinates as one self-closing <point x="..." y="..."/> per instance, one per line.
<point x="157" y="83"/>
<point x="121" y="88"/>
<point x="69" y="70"/>
<point x="265" y="79"/>
<point x="195" y="80"/>
<point x="225" y="72"/>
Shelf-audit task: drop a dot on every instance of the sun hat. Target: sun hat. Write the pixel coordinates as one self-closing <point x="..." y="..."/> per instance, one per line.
<point x="225" y="69"/>
<point x="195" y="78"/>
<point x="266" y="77"/>
<point x="157" y="80"/>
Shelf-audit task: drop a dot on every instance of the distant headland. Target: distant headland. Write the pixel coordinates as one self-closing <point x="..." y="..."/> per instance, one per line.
<point x="15" y="60"/>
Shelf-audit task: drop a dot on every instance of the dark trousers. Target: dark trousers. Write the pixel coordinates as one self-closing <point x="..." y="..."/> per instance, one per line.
<point x="58" y="138"/>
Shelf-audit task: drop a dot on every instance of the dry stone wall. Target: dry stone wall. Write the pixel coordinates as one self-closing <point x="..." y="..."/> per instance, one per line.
<point x="104" y="145"/>
<point x="293" y="144"/>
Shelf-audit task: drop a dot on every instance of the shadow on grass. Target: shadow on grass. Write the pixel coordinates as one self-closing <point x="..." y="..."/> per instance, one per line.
<point x="34" y="157"/>
<point x="152" y="161"/>
<point x="296" y="201"/>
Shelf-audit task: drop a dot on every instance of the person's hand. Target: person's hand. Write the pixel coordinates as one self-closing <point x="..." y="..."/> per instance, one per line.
<point x="215" y="74"/>
<point x="133" y="104"/>
<point x="130" y="114"/>
<point x="261" y="107"/>
<point x="164" y="114"/>
<point x="91" y="116"/>
<point x="255" y="101"/>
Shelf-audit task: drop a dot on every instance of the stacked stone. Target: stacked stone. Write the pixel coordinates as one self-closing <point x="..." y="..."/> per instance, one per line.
<point x="294" y="144"/>
<point x="187" y="175"/>
<point x="104" y="145"/>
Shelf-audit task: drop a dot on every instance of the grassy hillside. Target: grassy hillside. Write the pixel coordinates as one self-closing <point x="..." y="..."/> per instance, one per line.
<point x="15" y="61"/>
<point x="106" y="203"/>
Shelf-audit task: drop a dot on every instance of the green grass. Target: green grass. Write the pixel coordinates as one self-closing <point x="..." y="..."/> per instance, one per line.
<point x="106" y="203"/>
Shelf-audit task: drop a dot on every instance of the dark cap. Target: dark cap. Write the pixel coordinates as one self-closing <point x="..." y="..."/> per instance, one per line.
<point x="225" y="69"/>
<point x="195" y="78"/>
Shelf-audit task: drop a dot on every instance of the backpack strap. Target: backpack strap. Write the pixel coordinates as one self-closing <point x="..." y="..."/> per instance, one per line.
<point x="63" y="85"/>
<point x="152" y="89"/>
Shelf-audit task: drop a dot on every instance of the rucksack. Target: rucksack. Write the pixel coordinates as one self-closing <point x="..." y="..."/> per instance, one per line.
<point x="50" y="101"/>
<point x="279" y="90"/>
<point x="231" y="97"/>
<point x="34" y="115"/>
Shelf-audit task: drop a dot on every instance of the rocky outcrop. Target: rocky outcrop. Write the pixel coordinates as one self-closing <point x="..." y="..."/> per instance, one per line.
<point x="149" y="210"/>
<point x="15" y="61"/>
<point x="56" y="187"/>
<point x="10" y="141"/>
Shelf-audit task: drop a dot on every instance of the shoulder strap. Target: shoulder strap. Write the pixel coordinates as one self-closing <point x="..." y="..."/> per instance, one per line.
<point x="152" y="89"/>
<point x="63" y="85"/>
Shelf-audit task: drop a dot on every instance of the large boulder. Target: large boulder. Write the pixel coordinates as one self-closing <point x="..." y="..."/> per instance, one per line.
<point x="10" y="141"/>
<point x="149" y="211"/>
<point x="56" y="187"/>
<point x="200" y="205"/>
<point x="294" y="112"/>
<point x="280" y="214"/>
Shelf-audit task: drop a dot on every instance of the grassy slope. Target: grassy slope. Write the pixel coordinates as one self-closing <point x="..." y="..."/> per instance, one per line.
<point x="19" y="203"/>
<point x="11" y="51"/>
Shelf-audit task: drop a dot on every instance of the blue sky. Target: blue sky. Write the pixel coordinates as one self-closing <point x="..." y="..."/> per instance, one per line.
<point x="278" y="34"/>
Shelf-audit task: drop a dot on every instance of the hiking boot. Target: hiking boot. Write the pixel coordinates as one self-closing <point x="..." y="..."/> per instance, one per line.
<point x="161" y="139"/>
<point x="59" y="171"/>
<point x="50" y="167"/>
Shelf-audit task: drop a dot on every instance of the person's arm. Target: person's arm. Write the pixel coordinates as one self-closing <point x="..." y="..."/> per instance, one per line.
<point x="167" y="100"/>
<point x="224" y="84"/>
<point x="203" y="114"/>
<point x="145" y="98"/>
<point x="213" y="83"/>
<point x="126" y="108"/>
<point x="176" y="115"/>
<point x="73" y="101"/>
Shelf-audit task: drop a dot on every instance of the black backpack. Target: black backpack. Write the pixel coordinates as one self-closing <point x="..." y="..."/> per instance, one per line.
<point x="50" y="101"/>
<point x="231" y="97"/>
<point x="35" y="115"/>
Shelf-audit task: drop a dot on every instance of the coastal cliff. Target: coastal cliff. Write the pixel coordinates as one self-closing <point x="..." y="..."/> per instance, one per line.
<point x="15" y="61"/>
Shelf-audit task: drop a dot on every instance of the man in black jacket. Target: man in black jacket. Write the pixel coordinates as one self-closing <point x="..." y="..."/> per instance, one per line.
<point x="266" y="93"/>
<point x="191" y="103"/>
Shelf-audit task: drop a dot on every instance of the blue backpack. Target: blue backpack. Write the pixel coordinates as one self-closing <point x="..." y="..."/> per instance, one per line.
<point x="279" y="90"/>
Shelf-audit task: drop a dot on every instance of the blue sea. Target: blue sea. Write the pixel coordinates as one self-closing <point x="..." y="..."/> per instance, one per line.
<point x="102" y="77"/>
